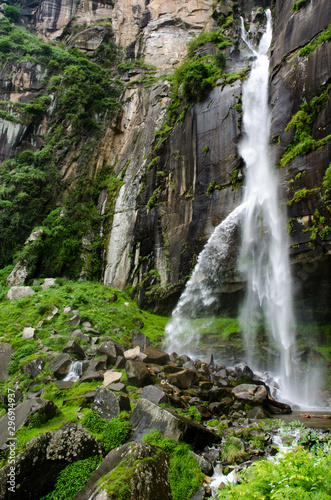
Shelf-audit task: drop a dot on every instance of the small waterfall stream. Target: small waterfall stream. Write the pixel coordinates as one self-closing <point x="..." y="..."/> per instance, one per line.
<point x="75" y="371"/>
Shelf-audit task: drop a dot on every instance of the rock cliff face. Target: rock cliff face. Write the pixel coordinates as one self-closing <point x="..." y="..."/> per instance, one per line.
<point x="176" y="190"/>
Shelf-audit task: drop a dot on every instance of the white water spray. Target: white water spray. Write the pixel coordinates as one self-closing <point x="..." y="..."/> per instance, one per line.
<point x="264" y="256"/>
<point x="75" y="371"/>
<point x="200" y="294"/>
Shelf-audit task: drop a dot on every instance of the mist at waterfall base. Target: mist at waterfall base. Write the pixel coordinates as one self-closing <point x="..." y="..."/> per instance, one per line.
<point x="263" y="259"/>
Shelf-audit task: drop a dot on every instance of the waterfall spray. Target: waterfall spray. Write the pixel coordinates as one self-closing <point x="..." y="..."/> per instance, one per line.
<point x="264" y="256"/>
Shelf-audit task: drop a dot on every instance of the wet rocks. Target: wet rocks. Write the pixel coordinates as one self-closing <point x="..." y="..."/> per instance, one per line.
<point x="182" y="379"/>
<point x="111" y="349"/>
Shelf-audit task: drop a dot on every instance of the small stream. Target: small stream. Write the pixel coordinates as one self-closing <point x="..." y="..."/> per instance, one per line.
<point x="299" y="427"/>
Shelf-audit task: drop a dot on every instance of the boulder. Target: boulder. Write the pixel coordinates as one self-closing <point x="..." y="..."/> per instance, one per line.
<point x="120" y="362"/>
<point x="148" y="416"/>
<point x="17" y="292"/>
<point x="6" y="351"/>
<point x="60" y="365"/>
<point x="18" y="275"/>
<point x="78" y="333"/>
<point x="74" y="320"/>
<point x="140" y="340"/>
<point x="48" y="282"/>
<point x="144" y="466"/>
<point x="242" y="370"/>
<point x="33" y="368"/>
<point x="119" y="387"/>
<point x="182" y="379"/>
<point x="72" y="347"/>
<point x="109" y="405"/>
<point x="154" y="355"/>
<point x="250" y="392"/>
<point x="132" y="353"/>
<point x="111" y="349"/>
<point x="204" y="465"/>
<point x="111" y="376"/>
<point x="34" y="408"/>
<point x="90" y="376"/>
<point x="97" y="364"/>
<point x="138" y="373"/>
<point x="37" y="467"/>
<point x="154" y="394"/>
<point x="257" y="413"/>
<point x="28" y="333"/>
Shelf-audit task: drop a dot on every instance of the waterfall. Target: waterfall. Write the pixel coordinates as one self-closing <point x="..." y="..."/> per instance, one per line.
<point x="200" y="294"/>
<point x="264" y="257"/>
<point x="75" y="371"/>
<point x="263" y="260"/>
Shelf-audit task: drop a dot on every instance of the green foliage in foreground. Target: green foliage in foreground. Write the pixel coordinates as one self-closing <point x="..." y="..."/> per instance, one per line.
<point x="300" y="474"/>
<point x="73" y="478"/>
<point x="185" y="475"/>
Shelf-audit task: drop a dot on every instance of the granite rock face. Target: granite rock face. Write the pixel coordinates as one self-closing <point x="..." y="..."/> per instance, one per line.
<point x="195" y="181"/>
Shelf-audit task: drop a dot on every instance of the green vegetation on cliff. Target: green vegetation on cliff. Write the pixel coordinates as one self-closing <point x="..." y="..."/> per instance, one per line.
<point x="325" y="36"/>
<point x="79" y="94"/>
<point x="303" y="123"/>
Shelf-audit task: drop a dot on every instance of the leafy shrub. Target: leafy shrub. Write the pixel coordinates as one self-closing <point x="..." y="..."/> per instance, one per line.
<point x="299" y="475"/>
<point x="196" y="78"/>
<point x="12" y="13"/>
<point x="113" y="433"/>
<point x="73" y="478"/>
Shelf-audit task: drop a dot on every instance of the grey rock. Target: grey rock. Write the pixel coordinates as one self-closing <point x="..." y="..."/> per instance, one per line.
<point x="256" y="413"/>
<point x="5" y="357"/>
<point x="154" y="394"/>
<point x="204" y="465"/>
<point x="78" y="333"/>
<point x="18" y="275"/>
<point x="148" y="416"/>
<point x="250" y="392"/>
<point x="74" y="320"/>
<point x="156" y="356"/>
<point x="24" y="412"/>
<point x="182" y="379"/>
<point x="90" y="376"/>
<point x="118" y="387"/>
<point x="60" y="365"/>
<point x="200" y="494"/>
<point x="28" y="333"/>
<point x="97" y="364"/>
<point x="138" y="374"/>
<point x="33" y="368"/>
<point x="109" y="405"/>
<point x="17" y="292"/>
<point x="48" y="282"/>
<point x="72" y="347"/>
<point x="140" y="340"/>
<point x="150" y="482"/>
<point x="111" y="349"/>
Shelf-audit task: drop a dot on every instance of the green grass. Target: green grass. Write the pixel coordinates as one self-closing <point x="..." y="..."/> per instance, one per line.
<point x="325" y="36"/>
<point x="90" y="298"/>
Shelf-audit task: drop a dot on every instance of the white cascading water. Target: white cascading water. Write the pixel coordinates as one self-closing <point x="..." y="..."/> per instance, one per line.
<point x="264" y="260"/>
<point x="75" y="371"/>
<point x="200" y="293"/>
<point x="264" y="257"/>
